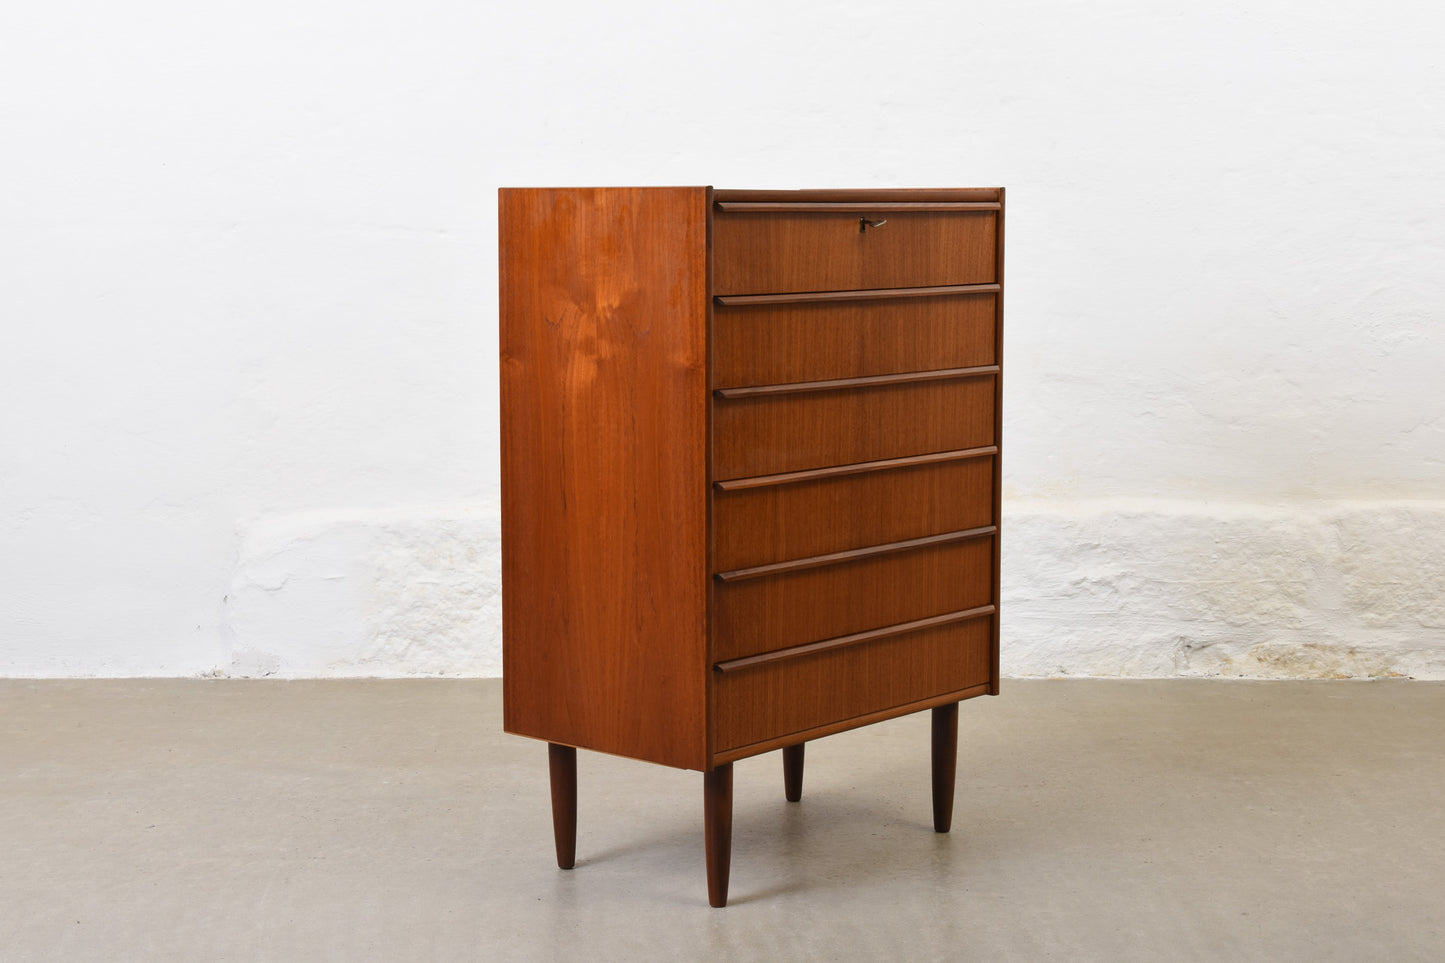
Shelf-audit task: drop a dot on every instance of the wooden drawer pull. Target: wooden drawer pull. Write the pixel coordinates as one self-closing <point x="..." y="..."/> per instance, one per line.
<point x="902" y="628"/>
<point x="872" y="294"/>
<point x="834" y="471"/>
<point x="942" y="374"/>
<point x="836" y="558"/>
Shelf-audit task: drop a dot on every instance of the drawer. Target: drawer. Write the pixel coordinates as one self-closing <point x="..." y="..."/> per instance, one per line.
<point x="772" y="433"/>
<point x="765" y="613"/>
<point x="765" y="344"/>
<point x="761" y="253"/>
<point x="775" y="699"/>
<point x="832" y="513"/>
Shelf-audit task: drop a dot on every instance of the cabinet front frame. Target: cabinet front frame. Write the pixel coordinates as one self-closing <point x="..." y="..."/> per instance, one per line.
<point x="859" y="203"/>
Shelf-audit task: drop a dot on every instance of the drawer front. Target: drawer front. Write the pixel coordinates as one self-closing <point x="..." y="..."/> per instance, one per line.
<point x="766" y="344"/>
<point x="771" y="612"/>
<point x="774" y="523"/>
<point x="763" y="253"/>
<point x="814" y="429"/>
<point x="776" y="699"/>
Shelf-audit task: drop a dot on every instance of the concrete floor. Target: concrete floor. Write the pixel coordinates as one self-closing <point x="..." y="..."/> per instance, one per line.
<point x="393" y="820"/>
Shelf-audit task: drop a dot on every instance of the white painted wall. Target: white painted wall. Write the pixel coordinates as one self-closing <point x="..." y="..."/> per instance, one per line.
<point x="248" y="404"/>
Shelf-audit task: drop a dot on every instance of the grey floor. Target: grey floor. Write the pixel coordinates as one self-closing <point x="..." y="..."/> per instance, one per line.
<point x="393" y="820"/>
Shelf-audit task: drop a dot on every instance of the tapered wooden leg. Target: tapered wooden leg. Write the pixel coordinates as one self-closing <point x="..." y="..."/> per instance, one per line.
<point x="793" y="772"/>
<point x="945" y="764"/>
<point x="562" y="763"/>
<point x="717" y="807"/>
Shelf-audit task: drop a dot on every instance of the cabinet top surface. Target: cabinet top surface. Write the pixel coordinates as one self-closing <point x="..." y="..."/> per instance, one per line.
<point x="817" y="195"/>
<point x="867" y="194"/>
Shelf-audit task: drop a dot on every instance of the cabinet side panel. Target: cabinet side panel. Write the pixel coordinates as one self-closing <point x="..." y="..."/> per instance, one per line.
<point x="604" y="475"/>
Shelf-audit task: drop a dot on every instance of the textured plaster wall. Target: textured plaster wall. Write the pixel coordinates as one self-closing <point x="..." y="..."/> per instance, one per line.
<point x="248" y="406"/>
<point x="1136" y="588"/>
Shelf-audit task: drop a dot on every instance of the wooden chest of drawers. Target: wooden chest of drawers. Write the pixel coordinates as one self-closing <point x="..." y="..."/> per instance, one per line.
<point x="750" y="474"/>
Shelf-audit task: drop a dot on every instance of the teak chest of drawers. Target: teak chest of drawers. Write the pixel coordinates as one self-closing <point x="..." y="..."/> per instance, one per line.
<point x="750" y="474"/>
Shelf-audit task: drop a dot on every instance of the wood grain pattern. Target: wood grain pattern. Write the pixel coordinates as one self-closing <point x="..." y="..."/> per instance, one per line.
<point x="763" y="614"/>
<point x="756" y="526"/>
<point x="776" y="701"/>
<point x="761" y="436"/>
<point x="604" y="479"/>
<point x="769" y="344"/>
<point x="760" y="253"/>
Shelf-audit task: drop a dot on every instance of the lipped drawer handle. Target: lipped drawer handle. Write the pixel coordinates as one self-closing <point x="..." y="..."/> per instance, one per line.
<point x="864" y="224"/>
